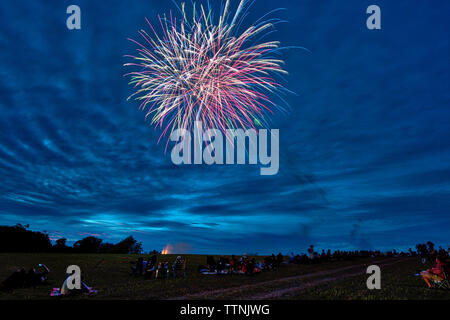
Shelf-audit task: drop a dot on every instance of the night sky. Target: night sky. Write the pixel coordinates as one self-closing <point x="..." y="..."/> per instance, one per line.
<point x="365" y="149"/>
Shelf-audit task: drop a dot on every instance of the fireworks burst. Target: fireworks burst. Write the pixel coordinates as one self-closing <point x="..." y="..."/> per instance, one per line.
<point x="199" y="69"/>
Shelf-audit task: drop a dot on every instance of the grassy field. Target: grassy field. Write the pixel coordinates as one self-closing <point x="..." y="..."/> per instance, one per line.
<point x="110" y="275"/>
<point x="397" y="283"/>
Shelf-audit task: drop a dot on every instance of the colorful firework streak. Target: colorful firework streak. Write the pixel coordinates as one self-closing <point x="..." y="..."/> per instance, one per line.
<point x="198" y="69"/>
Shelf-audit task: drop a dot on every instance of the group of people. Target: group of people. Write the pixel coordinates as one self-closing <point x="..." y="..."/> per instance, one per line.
<point x="244" y="265"/>
<point x="150" y="268"/>
<point x="426" y="252"/>
<point x="22" y="279"/>
<point x="39" y="276"/>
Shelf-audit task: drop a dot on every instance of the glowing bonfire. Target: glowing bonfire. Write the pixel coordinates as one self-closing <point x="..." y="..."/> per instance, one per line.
<point x="167" y="249"/>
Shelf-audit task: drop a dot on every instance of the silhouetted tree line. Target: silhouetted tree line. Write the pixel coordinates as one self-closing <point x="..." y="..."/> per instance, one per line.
<point x="428" y="252"/>
<point x="20" y="239"/>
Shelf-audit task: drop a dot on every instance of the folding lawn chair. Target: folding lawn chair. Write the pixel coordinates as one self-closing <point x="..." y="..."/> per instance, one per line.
<point x="443" y="284"/>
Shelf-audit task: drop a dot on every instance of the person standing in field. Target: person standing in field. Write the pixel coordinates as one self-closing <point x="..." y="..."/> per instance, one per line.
<point x="311" y="252"/>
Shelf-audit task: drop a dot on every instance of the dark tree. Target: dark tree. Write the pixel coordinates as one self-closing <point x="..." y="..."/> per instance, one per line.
<point x="19" y="239"/>
<point x="61" y="247"/>
<point x="106" y="247"/>
<point x="88" y="245"/>
<point x="128" y="246"/>
<point x="61" y="243"/>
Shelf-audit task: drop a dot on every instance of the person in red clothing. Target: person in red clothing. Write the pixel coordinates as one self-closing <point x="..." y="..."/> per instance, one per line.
<point x="435" y="274"/>
<point x="311" y="251"/>
<point x="233" y="265"/>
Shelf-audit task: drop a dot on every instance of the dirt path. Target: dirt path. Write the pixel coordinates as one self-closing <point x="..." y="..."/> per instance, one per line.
<point x="278" y="293"/>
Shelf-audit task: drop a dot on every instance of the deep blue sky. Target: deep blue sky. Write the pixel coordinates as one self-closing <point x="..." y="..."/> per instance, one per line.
<point x="365" y="151"/>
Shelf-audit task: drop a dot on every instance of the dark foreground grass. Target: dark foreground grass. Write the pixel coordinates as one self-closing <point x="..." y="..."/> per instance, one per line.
<point x="398" y="282"/>
<point x="110" y="275"/>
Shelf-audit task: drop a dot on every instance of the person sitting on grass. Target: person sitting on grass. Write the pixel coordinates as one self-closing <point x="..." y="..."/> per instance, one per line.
<point x="177" y="261"/>
<point x="258" y="266"/>
<point x="221" y="264"/>
<point x="311" y="252"/>
<point x="211" y="263"/>
<point x="268" y="263"/>
<point x="243" y="264"/>
<point x="21" y="279"/>
<point x="233" y="264"/>
<point x="70" y="290"/>
<point x="16" y="280"/>
<point x="138" y="268"/>
<point x="280" y="259"/>
<point x="150" y="266"/>
<point x="166" y="269"/>
<point x="144" y="266"/>
<point x="159" y="270"/>
<point x="65" y="287"/>
<point x="35" y="277"/>
<point x="250" y="267"/>
<point x="292" y="258"/>
<point x="162" y="271"/>
<point x="435" y="274"/>
<point x="178" y="267"/>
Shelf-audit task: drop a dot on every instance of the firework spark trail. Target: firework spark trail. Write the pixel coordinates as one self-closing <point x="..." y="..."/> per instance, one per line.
<point x="199" y="71"/>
